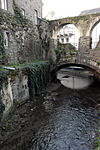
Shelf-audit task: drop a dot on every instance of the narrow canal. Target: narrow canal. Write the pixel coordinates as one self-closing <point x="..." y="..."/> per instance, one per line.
<point x="69" y="116"/>
<point x="64" y="117"/>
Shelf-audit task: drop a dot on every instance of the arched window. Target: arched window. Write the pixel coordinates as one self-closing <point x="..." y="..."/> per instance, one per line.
<point x="6" y="39"/>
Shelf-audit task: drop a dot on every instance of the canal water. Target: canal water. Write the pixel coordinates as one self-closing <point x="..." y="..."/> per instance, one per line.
<point x="68" y="116"/>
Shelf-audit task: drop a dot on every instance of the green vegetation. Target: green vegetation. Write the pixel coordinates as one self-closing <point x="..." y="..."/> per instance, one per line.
<point x="16" y="20"/>
<point x="58" y="52"/>
<point x="19" y="16"/>
<point x="17" y="11"/>
<point x="98" y="62"/>
<point x="38" y="73"/>
<point x="71" y="48"/>
<point x="3" y="76"/>
<point x="64" y="49"/>
<point x="98" y="141"/>
<point x="13" y="23"/>
<point x="38" y="76"/>
<point x="1" y="43"/>
<point x="78" y="18"/>
<point x="1" y="46"/>
<point x="46" y="20"/>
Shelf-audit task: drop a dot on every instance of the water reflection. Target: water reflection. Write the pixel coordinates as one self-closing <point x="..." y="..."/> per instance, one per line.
<point x="75" y="78"/>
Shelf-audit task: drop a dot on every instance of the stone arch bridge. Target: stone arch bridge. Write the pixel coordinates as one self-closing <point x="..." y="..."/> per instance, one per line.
<point x="85" y="25"/>
<point x="86" y="61"/>
<point x="85" y="56"/>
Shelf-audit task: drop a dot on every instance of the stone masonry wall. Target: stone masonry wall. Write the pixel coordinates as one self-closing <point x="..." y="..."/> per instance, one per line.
<point x="21" y="40"/>
<point x="14" y="90"/>
<point x="19" y="84"/>
<point x="84" y="44"/>
<point x="28" y="6"/>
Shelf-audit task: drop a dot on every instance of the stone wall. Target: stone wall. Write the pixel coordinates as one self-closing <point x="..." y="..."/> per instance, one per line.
<point x="21" y="83"/>
<point x="7" y="97"/>
<point x="21" y="40"/>
<point x="28" y="6"/>
<point x="14" y="90"/>
<point x="84" y="44"/>
<point x="44" y="33"/>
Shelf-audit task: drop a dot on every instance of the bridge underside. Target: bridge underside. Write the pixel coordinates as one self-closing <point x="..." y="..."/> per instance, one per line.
<point x="89" y="67"/>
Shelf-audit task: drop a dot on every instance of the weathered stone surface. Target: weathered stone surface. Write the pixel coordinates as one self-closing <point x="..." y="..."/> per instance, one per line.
<point x="29" y="7"/>
<point x="20" y="89"/>
<point x="84" y="44"/>
<point x="7" y="96"/>
<point x="52" y="54"/>
<point x="85" y="25"/>
<point x="24" y="41"/>
<point x="14" y="89"/>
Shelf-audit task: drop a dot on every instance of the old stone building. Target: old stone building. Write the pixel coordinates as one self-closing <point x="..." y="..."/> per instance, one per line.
<point x="31" y="9"/>
<point x="24" y="36"/>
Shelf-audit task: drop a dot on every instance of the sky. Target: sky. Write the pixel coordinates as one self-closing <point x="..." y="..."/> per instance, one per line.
<point x="68" y="8"/>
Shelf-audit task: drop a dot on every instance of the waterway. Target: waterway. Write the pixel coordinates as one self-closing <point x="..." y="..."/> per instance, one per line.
<point x="72" y="121"/>
<point x="65" y="117"/>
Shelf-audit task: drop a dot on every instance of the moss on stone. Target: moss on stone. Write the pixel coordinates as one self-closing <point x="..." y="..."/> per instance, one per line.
<point x="38" y="75"/>
<point x="3" y="77"/>
<point x="2" y="52"/>
<point x="76" y="19"/>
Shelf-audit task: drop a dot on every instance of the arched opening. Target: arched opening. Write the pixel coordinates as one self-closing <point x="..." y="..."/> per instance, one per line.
<point x="76" y="65"/>
<point x="75" y="76"/>
<point x="68" y="34"/>
<point x="95" y="34"/>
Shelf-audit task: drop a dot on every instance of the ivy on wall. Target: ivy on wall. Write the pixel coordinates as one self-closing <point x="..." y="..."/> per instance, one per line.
<point x="38" y="73"/>
<point x="63" y="49"/>
<point x="3" y="77"/>
<point x="1" y="43"/>
<point x="21" y="20"/>
<point x="1" y="46"/>
<point x="38" y="76"/>
<point x="18" y="14"/>
<point x="22" y="30"/>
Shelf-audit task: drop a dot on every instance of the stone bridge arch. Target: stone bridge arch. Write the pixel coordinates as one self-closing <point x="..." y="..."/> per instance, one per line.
<point x="92" y="25"/>
<point x="60" y="26"/>
<point x="85" y="25"/>
<point x="77" y="65"/>
<point x="91" y="68"/>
